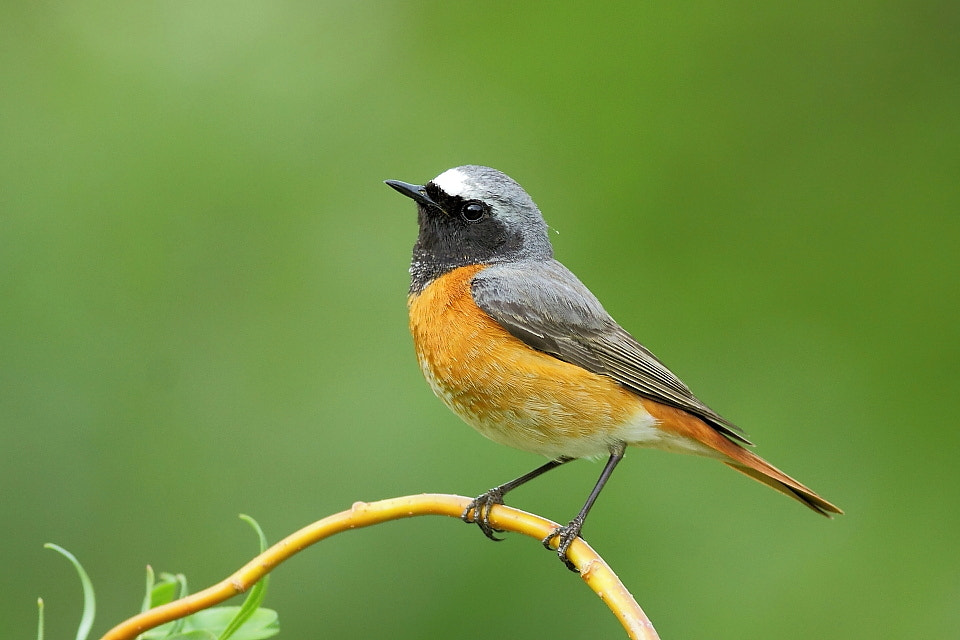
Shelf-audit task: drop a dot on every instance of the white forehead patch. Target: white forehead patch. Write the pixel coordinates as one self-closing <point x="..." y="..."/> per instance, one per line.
<point x="452" y="181"/>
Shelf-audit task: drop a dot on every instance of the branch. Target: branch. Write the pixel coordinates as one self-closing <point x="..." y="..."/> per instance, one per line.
<point x="594" y="571"/>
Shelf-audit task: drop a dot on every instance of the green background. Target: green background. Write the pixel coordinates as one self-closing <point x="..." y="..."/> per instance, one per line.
<point x="203" y="281"/>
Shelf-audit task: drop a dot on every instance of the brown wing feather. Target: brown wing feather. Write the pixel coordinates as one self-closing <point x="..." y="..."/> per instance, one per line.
<point x="547" y="307"/>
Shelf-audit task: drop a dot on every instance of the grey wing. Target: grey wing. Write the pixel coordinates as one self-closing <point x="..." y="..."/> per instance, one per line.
<point x="548" y="308"/>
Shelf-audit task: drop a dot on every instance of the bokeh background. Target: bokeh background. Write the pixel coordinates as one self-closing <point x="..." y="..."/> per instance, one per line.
<point x="203" y="281"/>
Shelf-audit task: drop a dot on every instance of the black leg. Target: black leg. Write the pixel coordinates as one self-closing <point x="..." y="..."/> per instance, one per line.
<point x="567" y="534"/>
<point x="481" y="505"/>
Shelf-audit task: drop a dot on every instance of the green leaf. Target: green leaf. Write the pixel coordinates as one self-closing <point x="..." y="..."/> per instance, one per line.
<point x="250" y="607"/>
<point x="147" y="596"/>
<point x="89" y="602"/>
<point x="264" y="623"/>
<point x="164" y="591"/>
<point x="198" y="634"/>
<point x="180" y="580"/>
<point x="257" y="593"/>
<point x="256" y="527"/>
<point x="39" y="618"/>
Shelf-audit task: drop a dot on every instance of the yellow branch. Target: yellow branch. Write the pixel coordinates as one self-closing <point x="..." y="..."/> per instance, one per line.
<point x="594" y="571"/>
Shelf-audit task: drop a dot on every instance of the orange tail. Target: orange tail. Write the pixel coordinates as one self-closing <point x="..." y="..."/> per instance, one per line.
<point x="736" y="457"/>
<point x="760" y="470"/>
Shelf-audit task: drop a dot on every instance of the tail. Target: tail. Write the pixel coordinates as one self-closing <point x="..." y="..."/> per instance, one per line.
<point x="760" y="470"/>
<point x="736" y="456"/>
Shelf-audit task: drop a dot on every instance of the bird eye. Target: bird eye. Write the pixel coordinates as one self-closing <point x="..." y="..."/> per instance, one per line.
<point x="472" y="211"/>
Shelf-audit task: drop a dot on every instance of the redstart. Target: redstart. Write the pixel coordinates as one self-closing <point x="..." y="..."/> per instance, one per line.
<point x="519" y="348"/>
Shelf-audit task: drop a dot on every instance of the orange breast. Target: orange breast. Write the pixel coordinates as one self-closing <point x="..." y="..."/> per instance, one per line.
<point x="509" y="392"/>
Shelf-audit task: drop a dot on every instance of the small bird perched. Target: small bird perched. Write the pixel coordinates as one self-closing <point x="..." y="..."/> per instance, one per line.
<point x="522" y="351"/>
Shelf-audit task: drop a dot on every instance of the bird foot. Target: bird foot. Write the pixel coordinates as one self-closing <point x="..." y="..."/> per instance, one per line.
<point x="478" y="511"/>
<point x="565" y="536"/>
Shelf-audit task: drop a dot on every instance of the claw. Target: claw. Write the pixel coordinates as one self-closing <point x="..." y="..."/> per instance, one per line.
<point x="480" y="509"/>
<point x="566" y="535"/>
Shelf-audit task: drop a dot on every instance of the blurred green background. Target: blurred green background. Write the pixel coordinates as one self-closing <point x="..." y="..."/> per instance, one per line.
<point x="203" y="282"/>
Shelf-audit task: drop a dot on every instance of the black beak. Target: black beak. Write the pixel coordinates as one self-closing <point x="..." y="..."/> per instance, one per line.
<point x="414" y="191"/>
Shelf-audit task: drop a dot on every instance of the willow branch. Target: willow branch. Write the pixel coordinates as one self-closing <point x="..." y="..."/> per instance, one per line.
<point x="593" y="570"/>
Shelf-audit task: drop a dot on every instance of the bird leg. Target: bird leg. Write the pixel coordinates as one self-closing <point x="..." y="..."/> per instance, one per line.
<point x="478" y="510"/>
<point x="568" y="533"/>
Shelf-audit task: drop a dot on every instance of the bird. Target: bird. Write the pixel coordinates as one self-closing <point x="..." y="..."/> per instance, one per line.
<point x="516" y="346"/>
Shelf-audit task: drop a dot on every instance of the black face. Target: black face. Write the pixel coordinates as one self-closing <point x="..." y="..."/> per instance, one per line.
<point x="469" y="211"/>
<point x="455" y="232"/>
<point x="489" y="219"/>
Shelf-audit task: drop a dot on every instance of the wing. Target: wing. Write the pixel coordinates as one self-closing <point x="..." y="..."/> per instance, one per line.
<point x="548" y="308"/>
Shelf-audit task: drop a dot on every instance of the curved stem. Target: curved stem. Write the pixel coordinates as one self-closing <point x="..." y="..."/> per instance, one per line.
<point x="593" y="570"/>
